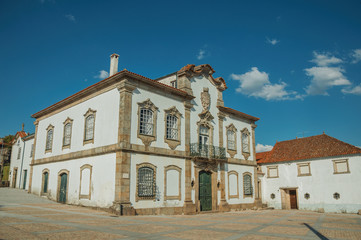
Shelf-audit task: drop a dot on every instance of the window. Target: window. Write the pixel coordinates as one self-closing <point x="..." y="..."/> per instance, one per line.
<point x="19" y="152"/>
<point x="85" y="181"/>
<point x="32" y="150"/>
<point x="89" y="126"/>
<point x="45" y="181"/>
<point x="145" y="181"/>
<point x="174" y="83"/>
<point x="230" y="140"/>
<point x="340" y="166"/>
<point x="304" y="169"/>
<point x="172" y="180"/>
<point x="247" y="185"/>
<point x="245" y="140"/>
<point x="272" y="172"/>
<point x="172" y="127"/>
<point x="49" y="138"/>
<point x="233" y="184"/>
<point x="68" y="124"/>
<point x="203" y="135"/>
<point x="147" y="123"/>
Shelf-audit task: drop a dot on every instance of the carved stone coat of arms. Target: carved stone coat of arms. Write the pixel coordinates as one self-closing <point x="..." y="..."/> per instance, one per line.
<point x="205" y="99"/>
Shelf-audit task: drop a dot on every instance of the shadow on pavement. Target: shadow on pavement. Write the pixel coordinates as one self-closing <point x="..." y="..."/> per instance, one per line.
<point x="316" y="232"/>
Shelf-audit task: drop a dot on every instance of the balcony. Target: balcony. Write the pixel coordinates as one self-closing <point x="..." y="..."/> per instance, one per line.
<point x="207" y="151"/>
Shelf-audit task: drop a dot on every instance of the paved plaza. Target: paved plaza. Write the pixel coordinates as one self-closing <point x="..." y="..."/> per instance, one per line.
<point x="25" y="216"/>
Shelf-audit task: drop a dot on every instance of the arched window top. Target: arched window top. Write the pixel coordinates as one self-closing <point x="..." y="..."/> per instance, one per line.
<point x="245" y="140"/>
<point x="49" y="138"/>
<point x="89" y="126"/>
<point x="67" y="132"/>
<point x="247" y="185"/>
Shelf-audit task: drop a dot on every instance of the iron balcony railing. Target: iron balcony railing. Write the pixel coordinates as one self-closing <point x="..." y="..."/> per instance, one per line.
<point x="207" y="151"/>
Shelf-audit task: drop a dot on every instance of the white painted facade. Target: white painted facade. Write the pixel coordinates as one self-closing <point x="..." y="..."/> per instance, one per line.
<point x="321" y="185"/>
<point x="20" y="159"/>
<point x="103" y="174"/>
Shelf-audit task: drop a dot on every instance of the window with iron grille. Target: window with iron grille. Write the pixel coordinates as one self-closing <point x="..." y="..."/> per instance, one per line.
<point x="231" y="140"/>
<point x="245" y="142"/>
<point x="172" y="127"/>
<point x="146" y="122"/>
<point x="89" y="127"/>
<point x="49" y="139"/>
<point x="67" y="134"/>
<point x="146" y="186"/>
<point x="247" y="184"/>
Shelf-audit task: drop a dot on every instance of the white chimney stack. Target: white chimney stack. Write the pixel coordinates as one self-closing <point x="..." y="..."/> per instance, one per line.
<point x="113" y="64"/>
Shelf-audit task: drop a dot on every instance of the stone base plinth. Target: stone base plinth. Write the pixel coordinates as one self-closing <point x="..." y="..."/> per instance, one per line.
<point x="223" y="206"/>
<point x="189" y="208"/>
<point x="124" y="209"/>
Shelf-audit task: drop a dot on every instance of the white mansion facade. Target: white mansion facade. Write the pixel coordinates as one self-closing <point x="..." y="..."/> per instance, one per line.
<point x="143" y="146"/>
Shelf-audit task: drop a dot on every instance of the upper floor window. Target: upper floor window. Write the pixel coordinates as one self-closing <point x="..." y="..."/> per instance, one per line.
<point x="174" y="83"/>
<point x="272" y="172"/>
<point x="49" y="138"/>
<point x="340" y="166"/>
<point x="89" y="126"/>
<point x="172" y="127"/>
<point x="203" y="135"/>
<point x="245" y="140"/>
<point x="19" y="152"/>
<point x="231" y="140"/>
<point x="304" y="169"/>
<point x="146" y="123"/>
<point x="67" y="132"/>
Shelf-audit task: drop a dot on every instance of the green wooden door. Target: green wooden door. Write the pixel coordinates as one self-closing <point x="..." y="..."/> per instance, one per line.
<point x="205" y="191"/>
<point x="62" y="190"/>
<point x="24" y="181"/>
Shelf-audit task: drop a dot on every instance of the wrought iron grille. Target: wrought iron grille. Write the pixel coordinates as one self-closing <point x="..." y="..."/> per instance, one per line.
<point x="207" y="151"/>
<point x="145" y="182"/>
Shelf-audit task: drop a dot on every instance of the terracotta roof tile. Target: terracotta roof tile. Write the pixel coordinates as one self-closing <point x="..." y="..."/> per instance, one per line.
<point x="307" y="148"/>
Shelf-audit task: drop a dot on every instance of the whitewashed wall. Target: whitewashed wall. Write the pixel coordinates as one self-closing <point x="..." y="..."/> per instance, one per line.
<point x="102" y="185"/>
<point x="321" y="185"/>
<point x="163" y="102"/>
<point x="160" y="162"/>
<point x="239" y="125"/>
<point x="106" y="106"/>
<point x="168" y="80"/>
<point x="240" y="169"/>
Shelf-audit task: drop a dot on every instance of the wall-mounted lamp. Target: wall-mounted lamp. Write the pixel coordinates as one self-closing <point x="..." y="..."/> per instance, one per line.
<point x="218" y="184"/>
<point x="192" y="183"/>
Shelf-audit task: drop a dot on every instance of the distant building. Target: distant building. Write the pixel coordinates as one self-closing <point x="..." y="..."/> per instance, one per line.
<point x="143" y="146"/>
<point x="5" y="153"/>
<point x="318" y="173"/>
<point x="22" y="153"/>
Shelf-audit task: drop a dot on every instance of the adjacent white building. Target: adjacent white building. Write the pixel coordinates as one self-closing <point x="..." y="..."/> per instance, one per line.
<point x="318" y="173"/>
<point x="143" y="146"/>
<point x="21" y="157"/>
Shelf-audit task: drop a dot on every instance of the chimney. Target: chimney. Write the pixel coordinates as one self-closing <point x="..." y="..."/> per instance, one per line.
<point x="113" y="64"/>
<point x="22" y="127"/>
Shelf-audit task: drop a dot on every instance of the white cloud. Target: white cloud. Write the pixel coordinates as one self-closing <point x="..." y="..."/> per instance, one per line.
<point x="102" y="74"/>
<point x="256" y="84"/>
<point x="263" y="148"/>
<point x="325" y="59"/>
<point x="70" y="17"/>
<point x="352" y="90"/>
<point x="356" y="55"/>
<point x="272" y="41"/>
<point x="323" y="78"/>
<point x="201" y="54"/>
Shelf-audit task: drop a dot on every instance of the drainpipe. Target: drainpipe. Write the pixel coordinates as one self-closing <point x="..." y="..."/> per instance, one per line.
<point x="21" y="168"/>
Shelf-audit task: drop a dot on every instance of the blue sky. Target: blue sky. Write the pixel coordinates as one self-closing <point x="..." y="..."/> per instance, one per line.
<point x="294" y="64"/>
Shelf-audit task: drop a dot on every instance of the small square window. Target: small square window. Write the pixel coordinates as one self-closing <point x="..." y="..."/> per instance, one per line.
<point x="304" y="169"/>
<point x="272" y="172"/>
<point x="340" y="166"/>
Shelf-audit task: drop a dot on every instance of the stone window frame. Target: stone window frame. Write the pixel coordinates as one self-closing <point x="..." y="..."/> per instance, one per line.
<point x="268" y="170"/>
<point x="172" y="111"/>
<point x="148" y="139"/>
<point x="248" y="195"/>
<point x="49" y="128"/>
<point x="59" y="183"/>
<point x="66" y="122"/>
<point x="340" y="161"/>
<point x="299" y="165"/>
<point x="90" y="167"/>
<point x="149" y="165"/>
<point x="45" y="170"/>
<point x="233" y="172"/>
<point x="166" y="169"/>
<point x="173" y="84"/>
<point x="208" y="124"/>
<point x="86" y="115"/>
<point x="247" y="132"/>
<point x="232" y="152"/>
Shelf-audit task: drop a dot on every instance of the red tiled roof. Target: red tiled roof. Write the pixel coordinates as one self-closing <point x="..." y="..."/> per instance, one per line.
<point x="237" y="113"/>
<point x="307" y="148"/>
<point x="104" y="82"/>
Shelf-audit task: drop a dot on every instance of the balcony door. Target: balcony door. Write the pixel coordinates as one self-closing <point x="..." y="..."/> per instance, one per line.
<point x="203" y="135"/>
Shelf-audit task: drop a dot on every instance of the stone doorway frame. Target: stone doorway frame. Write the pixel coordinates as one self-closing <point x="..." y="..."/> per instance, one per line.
<point x="285" y="197"/>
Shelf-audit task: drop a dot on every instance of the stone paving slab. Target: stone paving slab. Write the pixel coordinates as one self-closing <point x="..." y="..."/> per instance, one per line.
<point x="42" y="219"/>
